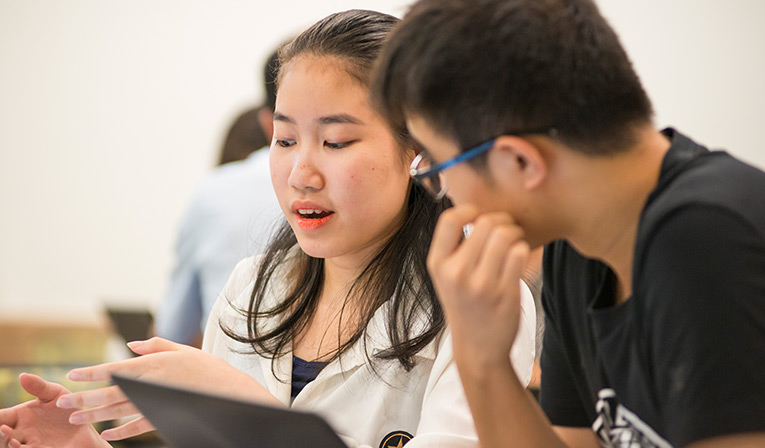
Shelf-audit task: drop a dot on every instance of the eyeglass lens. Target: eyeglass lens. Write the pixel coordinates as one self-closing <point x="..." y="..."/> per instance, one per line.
<point x="433" y="183"/>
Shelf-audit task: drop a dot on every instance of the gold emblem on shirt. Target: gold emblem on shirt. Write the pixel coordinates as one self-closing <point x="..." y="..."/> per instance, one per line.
<point x="395" y="439"/>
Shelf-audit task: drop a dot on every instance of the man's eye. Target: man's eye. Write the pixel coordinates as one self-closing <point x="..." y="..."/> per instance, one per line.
<point x="338" y="145"/>
<point x="285" y="143"/>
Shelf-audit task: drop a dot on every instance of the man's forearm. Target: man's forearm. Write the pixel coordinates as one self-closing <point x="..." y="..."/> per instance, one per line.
<point x="503" y="410"/>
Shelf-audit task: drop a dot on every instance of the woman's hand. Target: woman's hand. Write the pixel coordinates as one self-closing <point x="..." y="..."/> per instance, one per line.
<point x="39" y="423"/>
<point x="163" y="361"/>
<point x="478" y="283"/>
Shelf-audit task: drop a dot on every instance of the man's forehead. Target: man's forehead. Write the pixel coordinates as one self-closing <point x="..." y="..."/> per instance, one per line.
<point x="432" y="142"/>
<point x="418" y="126"/>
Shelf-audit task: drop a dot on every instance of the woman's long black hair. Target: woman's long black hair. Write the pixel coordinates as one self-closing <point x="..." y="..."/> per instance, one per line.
<point x="397" y="274"/>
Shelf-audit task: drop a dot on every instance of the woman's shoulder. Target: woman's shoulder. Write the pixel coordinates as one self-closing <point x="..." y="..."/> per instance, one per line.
<point x="241" y="283"/>
<point x="244" y="274"/>
<point x="235" y="293"/>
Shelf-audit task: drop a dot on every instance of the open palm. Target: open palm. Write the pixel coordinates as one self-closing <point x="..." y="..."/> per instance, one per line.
<point x="39" y="423"/>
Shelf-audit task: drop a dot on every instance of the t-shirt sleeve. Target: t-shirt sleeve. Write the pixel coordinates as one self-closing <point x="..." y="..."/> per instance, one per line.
<point x="704" y="319"/>
<point x="558" y="393"/>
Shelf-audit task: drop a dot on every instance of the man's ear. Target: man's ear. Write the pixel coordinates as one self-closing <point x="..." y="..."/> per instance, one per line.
<point x="522" y="158"/>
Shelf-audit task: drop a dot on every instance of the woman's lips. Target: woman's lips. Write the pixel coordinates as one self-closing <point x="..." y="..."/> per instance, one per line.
<point x="306" y="223"/>
<point x="309" y="215"/>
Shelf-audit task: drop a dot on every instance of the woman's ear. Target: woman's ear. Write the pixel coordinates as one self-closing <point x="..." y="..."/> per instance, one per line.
<point x="410" y="152"/>
<point x="520" y="157"/>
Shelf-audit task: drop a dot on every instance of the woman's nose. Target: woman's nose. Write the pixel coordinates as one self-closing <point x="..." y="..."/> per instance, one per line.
<point x="306" y="173"/>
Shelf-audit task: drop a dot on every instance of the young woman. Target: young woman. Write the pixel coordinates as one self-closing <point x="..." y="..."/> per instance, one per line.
<point x="338" y="316"/>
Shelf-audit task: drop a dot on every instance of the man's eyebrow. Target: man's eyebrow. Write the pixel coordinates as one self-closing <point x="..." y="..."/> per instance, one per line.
<point x="281" y="117"/>
<point x="341" y="119"/>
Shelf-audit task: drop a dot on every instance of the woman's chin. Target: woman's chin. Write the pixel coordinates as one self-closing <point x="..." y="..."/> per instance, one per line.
<point x="312" y="249"/>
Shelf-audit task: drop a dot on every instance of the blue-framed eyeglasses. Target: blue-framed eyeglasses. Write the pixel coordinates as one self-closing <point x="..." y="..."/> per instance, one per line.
<point x="431" y="176"/>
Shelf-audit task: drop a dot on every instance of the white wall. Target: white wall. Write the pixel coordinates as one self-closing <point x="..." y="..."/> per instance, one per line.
<point x="110" y="111"/>
<point x="703" y="64"/>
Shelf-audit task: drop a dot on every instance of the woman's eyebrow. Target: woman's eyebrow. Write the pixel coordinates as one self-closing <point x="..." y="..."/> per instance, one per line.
<point x="340" y="118"/>
<point x="329" y="119"/>
<point x="281" y="117"/>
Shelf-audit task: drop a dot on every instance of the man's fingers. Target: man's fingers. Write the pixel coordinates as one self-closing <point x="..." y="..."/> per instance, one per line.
<point x="130" y="429"/>
<point x="89" y="398"/>
<point x="479" y="259"/>
<point x="494" y="257"/>
<point x="516" y="260"/>
<point x="471" y="250"/>
<point x="449" y="233"/>
<point x="43" y="390"/>
<point x="104" y="413"/>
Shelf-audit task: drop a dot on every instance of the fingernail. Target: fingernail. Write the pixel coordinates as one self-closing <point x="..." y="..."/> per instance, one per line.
<point x="76" y="419"/>
<point x="134" y="344"/>
<point x="64" y="403"/>
<point x="74" y="375"/>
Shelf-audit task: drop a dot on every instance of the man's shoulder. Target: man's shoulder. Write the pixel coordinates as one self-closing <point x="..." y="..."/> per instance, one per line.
<point x="713" y="177"/>
<point x="694" y="178"/>
<point x="693" y="174"/>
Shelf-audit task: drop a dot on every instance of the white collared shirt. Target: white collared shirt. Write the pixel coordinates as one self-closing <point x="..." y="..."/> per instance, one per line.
<point x="362" y="405"/>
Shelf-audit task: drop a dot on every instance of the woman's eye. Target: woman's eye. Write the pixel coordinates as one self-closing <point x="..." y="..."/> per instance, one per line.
<point x="338" y="145"/>
<point x="285" y="143"/>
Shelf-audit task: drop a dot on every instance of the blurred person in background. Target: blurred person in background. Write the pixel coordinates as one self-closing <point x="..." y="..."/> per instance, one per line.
<point x="246" y="135"/>
<point x="232" y="215"/>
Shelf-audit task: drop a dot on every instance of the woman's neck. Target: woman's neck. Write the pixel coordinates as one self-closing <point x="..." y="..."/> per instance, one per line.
<point x="338" y="277"/>
<point x="334" y="319"/>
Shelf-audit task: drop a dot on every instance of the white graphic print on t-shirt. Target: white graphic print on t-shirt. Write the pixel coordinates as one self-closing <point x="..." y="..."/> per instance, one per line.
<point x="618" y="427"/>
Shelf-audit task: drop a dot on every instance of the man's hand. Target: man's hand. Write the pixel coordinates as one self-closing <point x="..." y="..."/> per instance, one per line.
<point x="478" y="282"/>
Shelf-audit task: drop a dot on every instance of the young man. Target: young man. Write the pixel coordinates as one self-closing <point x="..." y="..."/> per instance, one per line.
<point x="654" y="270"/>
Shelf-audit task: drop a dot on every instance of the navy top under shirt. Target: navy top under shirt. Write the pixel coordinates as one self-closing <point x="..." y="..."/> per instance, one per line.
<point x="303" y="372"/>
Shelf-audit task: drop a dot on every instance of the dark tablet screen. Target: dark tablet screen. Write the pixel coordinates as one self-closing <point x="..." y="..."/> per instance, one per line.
<point x="184" y="419"/>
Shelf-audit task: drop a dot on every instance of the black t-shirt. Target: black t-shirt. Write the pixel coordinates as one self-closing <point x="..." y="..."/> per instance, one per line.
<point x="683" y="358"/>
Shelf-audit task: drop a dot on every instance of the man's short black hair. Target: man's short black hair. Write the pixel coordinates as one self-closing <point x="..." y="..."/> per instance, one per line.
<point x="475" y="69"/>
